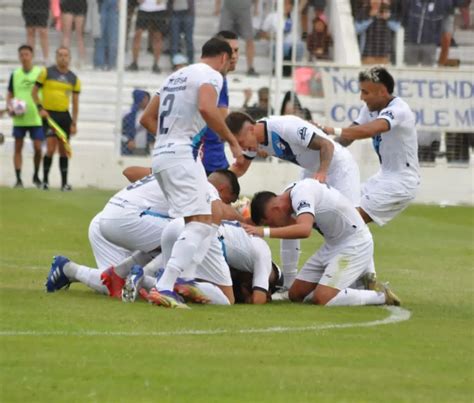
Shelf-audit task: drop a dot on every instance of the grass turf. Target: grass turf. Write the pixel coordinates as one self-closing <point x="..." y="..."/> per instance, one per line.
<point x="96" y="349"/>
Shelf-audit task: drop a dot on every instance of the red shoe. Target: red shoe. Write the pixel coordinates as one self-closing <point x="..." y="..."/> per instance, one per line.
<point x="113" y="282"/>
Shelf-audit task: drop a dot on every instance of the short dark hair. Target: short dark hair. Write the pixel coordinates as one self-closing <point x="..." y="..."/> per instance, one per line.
<point x="257" y="207"/>
<point x="233" y="181"/>
<point x="25" y="47"/>
<point x="215" y="47"/>
<point x="236" y="120"/>
<point x="378" y="75"/>
<point x="226" y="35"/>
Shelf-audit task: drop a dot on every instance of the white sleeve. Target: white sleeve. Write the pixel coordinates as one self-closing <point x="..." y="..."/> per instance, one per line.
<point x="262" y="258"/>
<point x="213" y="193"/>
<point x="393" y="115"/>
<point x="215" y="79"/>
<point x="363" y="117"/>
<point x="302" y="198"/>
<point x="250" y="155"/>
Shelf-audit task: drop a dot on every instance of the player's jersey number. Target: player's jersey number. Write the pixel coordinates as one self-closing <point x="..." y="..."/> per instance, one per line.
<point x="166" y="108"/>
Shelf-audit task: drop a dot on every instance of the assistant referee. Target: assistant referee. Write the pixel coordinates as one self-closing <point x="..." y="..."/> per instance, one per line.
<point x="59" y="85"/>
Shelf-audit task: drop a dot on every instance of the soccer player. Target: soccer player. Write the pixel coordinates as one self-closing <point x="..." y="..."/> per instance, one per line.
<point x="128" y="232"/>
<point x="58" y="83"/>
<point x="212" y="148"/>
<point x="343" y="258"/>
<point x="248" y="254"/>
<point x="20" y="85"/>
<point x="293" y="139"/>
<point x="184" y="105"/>
<point x="390" y="122"/>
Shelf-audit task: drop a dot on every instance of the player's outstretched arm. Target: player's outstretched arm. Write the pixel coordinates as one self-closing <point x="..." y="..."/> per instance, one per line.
<point x="358" y="132"/>
<point x="149" y="118"/>
<point x="326" y="151"/>
<point x="240" y="169"/>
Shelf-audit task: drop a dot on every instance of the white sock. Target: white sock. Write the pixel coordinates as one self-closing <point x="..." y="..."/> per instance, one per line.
<point x="148" y="282"/>
<point x="152" y="267"/>
<point x="289" y="256"/>
<point x="188" y="251"/>
<point x="169" y="236"/>
<point x="214" y="293"/>
<point x="137" y="257"/>
<point x="70" y="270"/>
<point x="91" y="278"/>
<point x="351" y="297"/>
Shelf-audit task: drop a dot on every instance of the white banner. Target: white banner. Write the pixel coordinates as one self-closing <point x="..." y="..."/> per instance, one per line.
<point x="442" y="100"/>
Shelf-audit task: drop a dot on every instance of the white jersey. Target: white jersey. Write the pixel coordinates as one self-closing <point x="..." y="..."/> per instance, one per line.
<point x="398" y="148"/>
<point x="179" y="120"/>
<point x="288" y="138"/>
<point x="144" y="194"/>
<point x="246" y="253"/>
<point x="334" y="215"/>
<point x="152" y="5"/>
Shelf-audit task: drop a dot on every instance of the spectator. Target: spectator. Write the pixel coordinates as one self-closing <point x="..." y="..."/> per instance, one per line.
<point x="36" y="13"/>
<point x="269" y="29"/>
<point x="107" y="43"/>
<point x="318" y="5"/>
<point x="58" y="83"/>
<point x="465" y="14"/>
<point x="236" y="16"/>
<point x="291" y="105"/>
<point x="21" y="82"/>
<point x="135" y="139"/>
<point x="182" y="22"/>
<point x="131" y="7"/>
<point x="319" y="40"/>
<point x="179" y="61"/>
<point x="423" y="22"/>
<point x="375" y="22"/>
<point x="259" y="109"/>
<point x="153" y="16"/>
<point x="73" y="12"/>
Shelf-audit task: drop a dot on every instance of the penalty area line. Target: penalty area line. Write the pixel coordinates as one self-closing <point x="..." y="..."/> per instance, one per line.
<point x="397" y="314"/>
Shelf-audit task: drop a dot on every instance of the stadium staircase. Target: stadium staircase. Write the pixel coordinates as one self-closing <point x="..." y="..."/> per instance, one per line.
<point x="99" y="94"/>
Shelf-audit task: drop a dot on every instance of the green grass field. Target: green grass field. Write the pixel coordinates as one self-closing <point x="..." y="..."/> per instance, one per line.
<point x="78" y="346"/>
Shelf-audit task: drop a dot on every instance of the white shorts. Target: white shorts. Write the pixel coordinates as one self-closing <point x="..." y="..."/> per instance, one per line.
<point x="339" y="266"/>
<point x="106" y="253"/>
<point x="185" y="186"/>
<point x="383" y="197"/>
<point x="345" y="178"/>
<point x="132" y="229"/>
<point x="214" y="268"/>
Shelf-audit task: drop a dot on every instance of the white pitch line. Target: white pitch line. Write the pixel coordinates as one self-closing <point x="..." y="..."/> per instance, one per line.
<point x="397" y="314"/>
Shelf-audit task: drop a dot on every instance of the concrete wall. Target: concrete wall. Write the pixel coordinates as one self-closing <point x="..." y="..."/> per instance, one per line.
<point x="94" y="164"/>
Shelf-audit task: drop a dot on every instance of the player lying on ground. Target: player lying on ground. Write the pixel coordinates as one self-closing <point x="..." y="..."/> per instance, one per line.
<point x="295" y="140"/>
<point x="347" y="250"/>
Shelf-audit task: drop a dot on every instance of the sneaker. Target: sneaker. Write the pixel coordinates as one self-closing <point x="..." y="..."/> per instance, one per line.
<point x="390" y="297"/>
<point x="113" y="282"/>
<point x="190" y="292"/>
<point x="155" y="69"/>
<point x="281" y="295"/>
<point x="133" y="284"/>
<point x="19" y="184"/>
<point x="370" y="281"/>
<point x="167" y="299"/>
<point x="56" y="278"/>
<point x="37" y="182"/>
<point x="132" y="67"/>
<point x="66" y="188"/>
<point x="252" y="73"/>
<point x="45" y="186"/>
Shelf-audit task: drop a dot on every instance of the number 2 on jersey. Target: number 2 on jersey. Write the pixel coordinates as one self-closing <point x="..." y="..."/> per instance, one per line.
<point x="166" y="108"/>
